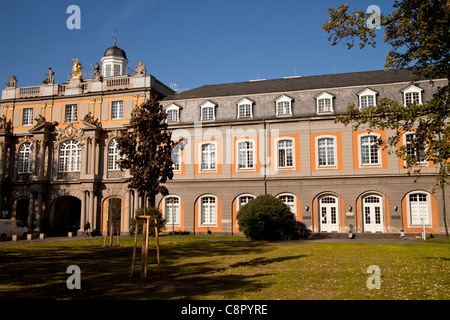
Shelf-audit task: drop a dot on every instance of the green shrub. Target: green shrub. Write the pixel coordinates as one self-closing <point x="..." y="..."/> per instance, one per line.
<point x="267" y="218"/>
<point x="151" y="229"/>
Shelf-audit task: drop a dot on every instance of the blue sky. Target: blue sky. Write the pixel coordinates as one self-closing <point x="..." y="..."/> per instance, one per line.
<point x="188" y="42"/>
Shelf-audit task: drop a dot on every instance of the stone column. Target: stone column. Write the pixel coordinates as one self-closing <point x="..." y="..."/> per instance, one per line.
<point x="94" y="222"/>
<point x="93" y="156"/>
<point x="83" y="210"/>
<point x="39" y="212"/>
<point x="91" y="207"/>
<point x="42" y="145"/>
<point x="30" y="219"/>
<point x="127" y="213"/>
<point x="85" y="162"/>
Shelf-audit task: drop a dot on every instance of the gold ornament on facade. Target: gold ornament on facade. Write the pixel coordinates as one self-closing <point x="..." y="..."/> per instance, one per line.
<point x="76" y="73"/>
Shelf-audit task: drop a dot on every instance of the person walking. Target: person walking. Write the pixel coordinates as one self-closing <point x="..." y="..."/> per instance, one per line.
<point x="87" y="226"/>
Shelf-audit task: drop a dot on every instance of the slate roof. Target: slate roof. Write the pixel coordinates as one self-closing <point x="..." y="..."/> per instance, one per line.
<point x="296" y="84"/>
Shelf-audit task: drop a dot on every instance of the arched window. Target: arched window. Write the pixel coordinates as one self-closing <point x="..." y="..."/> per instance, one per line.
<point x="25" y="157"/>
<point x="113" y="155"/>
<point x="172" y="210"/>
<point x="70" y="156"/>
<point x="208" y="210"/>
<point x="289" y="200"/>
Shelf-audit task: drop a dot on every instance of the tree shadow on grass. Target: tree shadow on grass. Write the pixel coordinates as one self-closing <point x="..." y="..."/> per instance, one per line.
<point x="188" y="270"/>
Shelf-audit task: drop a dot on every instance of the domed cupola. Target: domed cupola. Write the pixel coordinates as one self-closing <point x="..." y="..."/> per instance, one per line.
<point x="114" y="62"/>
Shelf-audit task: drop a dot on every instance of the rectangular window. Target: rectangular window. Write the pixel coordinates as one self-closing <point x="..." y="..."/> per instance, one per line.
<point x="117" y="70"/>
<point x="367" y="101"/>
<point x="411" y="97"/>
<point x="27" y="117"/>
<point x="71" y="113"/>
<point x="324" y="105"/>
<point x="208" y="156"/>
<point x="208" y="113"/>
<point x="369" y="151"/>
<point x="413" y="151"/>
<point x="245" y="155"/>
<point x="208" y="210"/>
<point x="172" y="115"/>
<point x="116" y="110"/>
<point x="108" y="70"/>
<point x="176" y="158"/>
<point x="285" y="154"/>
<point x="326" y="150"/>
<point x="283" y="108"/>
<point x="245" y="110"/>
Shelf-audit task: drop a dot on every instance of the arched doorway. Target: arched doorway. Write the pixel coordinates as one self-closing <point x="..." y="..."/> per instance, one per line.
<point x="65" y="214"/>
<point x="20" y="211"/>
<point x="112" y="211"/>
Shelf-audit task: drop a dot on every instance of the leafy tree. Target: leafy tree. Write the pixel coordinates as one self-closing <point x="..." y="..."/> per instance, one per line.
<point x="266" y="218"/>
<point x="418" y="33"/>
<point x="145" y="149"/>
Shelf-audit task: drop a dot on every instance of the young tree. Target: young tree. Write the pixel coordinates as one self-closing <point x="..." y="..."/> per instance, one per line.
<point x="145" y="149"/>
<point x="419" y="35"/>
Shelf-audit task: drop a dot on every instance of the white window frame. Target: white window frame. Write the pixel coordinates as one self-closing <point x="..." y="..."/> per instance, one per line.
<point x="25" y="158"/>
<point x="117" y="110"/>
<point x="108" y="70"/>
<point x="292" y="206"/>
<point x="176" y="155"/>
<point x="113" y="155"/>
<point x="176" y="204"/>
<point x="211" y="157"/>
<point x="326" y="166"/>
<point x="208" y="105"/>
<point x="405" y="141"/>
<point x="325" y="96"/>
<point x="27" y="117"/>
<point x="376" y="136"/>
<point x="245" y="102"/>
<point x="248" y="166"/>
<point x="277" y="152"/>
<point x="69" y="158"/>
<point x="208" y="219"/>
<point x="428" y="207"/>
<point x="176" y="111"/>
<point x="364" y="94"/>
<point x="286" y="107"/>
<point x="411" y="90"/>
<point x="71" y="113"/>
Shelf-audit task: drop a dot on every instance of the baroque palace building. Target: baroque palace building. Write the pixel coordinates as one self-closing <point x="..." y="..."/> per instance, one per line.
<point x="240" y="140"/>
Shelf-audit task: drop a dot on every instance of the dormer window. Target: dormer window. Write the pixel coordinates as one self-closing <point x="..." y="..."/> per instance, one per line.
<point x="207" y="111"/>
<point x="245" y="108"/>
<point x="367" y="99"/>
<point x="283" y="106"/>
<point x="412" y="94"/>
<point x="325" y="103"/>
<point x="173" y="113"/>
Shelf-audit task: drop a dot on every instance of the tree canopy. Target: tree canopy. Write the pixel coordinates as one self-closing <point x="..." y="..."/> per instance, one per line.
<point x="418" y="33"/>
<point x="145" y="149"/>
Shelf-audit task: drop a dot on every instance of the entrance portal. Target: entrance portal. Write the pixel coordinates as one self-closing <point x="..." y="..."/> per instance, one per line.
<point x="65" y="216"/>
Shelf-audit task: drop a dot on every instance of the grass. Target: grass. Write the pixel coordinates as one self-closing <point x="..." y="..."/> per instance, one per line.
<point x="226" y="270"/>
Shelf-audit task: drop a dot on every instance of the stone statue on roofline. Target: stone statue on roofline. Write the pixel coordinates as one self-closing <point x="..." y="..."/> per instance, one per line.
<point x="97" y="74"/>
<point x="140" y="69"/>
<point x="12" y="82"/>
<point x="50" y="77"/>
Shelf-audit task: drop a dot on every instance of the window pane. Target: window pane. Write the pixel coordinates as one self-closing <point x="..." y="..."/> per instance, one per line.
<point x="117" y="110"/>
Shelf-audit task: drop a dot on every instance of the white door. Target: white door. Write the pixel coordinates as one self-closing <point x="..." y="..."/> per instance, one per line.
<point x="329" y="218"/>
<point x="373" y="214"/>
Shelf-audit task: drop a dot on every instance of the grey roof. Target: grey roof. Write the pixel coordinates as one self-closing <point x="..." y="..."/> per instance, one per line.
<point x="115" y="51"/>
<point x="298" y="83"/>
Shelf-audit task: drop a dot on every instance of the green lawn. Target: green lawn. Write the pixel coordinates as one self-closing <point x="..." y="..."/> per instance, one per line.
<point x="200" y="269"/>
